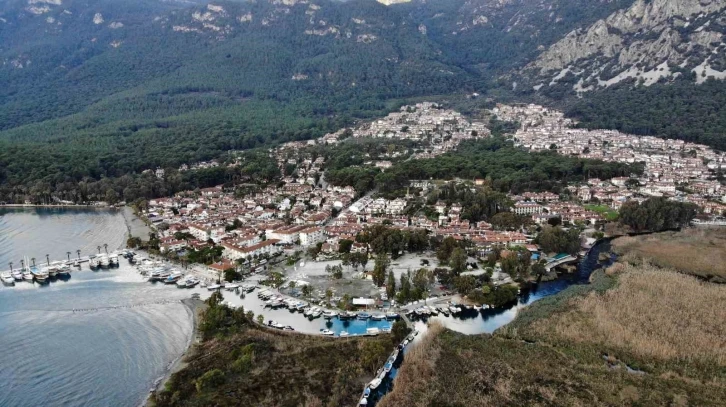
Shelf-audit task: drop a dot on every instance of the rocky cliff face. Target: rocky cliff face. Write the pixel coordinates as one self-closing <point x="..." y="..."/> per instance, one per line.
<point x="649" y="41"/>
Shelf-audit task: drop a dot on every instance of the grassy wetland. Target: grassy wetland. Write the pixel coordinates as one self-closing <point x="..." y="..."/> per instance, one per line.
<point x="700" y="252"/>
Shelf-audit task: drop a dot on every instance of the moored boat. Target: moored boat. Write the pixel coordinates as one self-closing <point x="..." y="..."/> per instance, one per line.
<point x="364" y="315"/>
<point x="64" y="270"/>
<point x="330" y="314"/>
<point x="27" y="275"/>
<point x="103" y="260"/>
<point x="391" y="315"/>
<point x="7" y="279"/>
<point x="375" y="383"/>
<point x="39" y="275"/>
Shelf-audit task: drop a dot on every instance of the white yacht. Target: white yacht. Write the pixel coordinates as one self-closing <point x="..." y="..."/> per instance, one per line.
<point x="7" y="278"/>
<point x="51" y="270"/>
<point x="103" y="260"/>
<point x="39" y="275"/>
<point x="64" y="270"/>
<point x="173" y="277"/>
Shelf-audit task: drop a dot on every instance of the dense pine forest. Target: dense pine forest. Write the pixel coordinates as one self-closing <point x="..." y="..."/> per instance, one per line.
<point x="93" y="91"/>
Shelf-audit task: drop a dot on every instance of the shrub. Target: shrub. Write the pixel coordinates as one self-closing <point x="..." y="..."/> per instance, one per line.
<point x="210" y="380"/>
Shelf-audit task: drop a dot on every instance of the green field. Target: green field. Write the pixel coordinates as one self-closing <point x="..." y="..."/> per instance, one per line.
<point x="607" y="212"/>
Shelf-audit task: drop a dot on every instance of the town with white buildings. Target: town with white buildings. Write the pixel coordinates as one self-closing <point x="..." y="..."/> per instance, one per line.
<point x="672" y="168"/>
<point x="302" y="211"/>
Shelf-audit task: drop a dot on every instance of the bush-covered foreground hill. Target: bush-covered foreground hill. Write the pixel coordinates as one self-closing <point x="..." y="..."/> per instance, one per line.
<point x="240" y="363"/>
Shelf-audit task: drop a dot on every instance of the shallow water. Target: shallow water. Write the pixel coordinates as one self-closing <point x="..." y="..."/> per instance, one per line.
<point x="107" y="355"/>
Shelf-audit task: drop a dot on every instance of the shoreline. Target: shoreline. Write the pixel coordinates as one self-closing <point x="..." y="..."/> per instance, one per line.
<point x="60" y="206"/>
<point x="195" y="307"/>
<point x="134" y="225"/>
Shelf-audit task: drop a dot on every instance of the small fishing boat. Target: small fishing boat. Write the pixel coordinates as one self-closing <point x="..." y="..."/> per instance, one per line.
<point x="327" y="332"/>
<point x="347" y="315"/>
<point x="64" y="270"/>
<point x="378" y="317"/>
<point x="367" y="392"/>
<point x="343" y="334"/>
<point x="7" y="279"/>
<point x="375" y="383"/>
<point x="17" y="275"/>
<point x="391" y="315"/>
<point x="364" y="315"/>
<point x="330" y="314"/>
<point x="363" y="402"/>
<point x="372" y="331"/>
<point x="39" y="275"/>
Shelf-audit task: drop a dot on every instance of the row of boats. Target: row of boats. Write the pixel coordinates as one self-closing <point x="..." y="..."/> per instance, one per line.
<point x="386" y="369"/>
<point x="274" y="301"/>
<point x="450" y="309"/>
<point x="103" y="260"/>
<point x="158" y="272"/>
<point x="42" y="275"/>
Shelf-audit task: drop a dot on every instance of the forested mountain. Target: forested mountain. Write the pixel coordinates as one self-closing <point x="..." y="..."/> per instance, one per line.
<point x="103" y="88"/>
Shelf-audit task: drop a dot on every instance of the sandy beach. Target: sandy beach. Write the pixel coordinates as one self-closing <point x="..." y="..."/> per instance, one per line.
<point x="134" y="225"/>
<point x="195" y="307"/>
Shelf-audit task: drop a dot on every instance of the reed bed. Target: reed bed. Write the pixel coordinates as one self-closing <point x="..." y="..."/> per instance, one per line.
<point x="701" y="252"/>
<point x="653" y="312"/>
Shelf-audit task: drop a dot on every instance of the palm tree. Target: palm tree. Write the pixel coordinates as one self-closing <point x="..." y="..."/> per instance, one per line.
<point x="68" y="254"/>
<point x="78" y="252"/>
<point x="11" y="266"/>
<point x="105" y="247"/>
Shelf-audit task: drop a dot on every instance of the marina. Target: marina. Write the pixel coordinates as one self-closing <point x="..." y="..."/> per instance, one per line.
<point x="89" y="338"/>
<point x="135" y="291"/>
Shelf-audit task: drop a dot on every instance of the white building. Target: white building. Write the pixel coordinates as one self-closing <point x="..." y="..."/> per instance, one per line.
<point x="311" y="236"/>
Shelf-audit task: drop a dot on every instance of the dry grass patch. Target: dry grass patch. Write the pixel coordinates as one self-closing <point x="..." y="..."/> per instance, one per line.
<point x="653" y="313"/>
<point x="412" y="384"/>
<point x="701" y="252"/>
